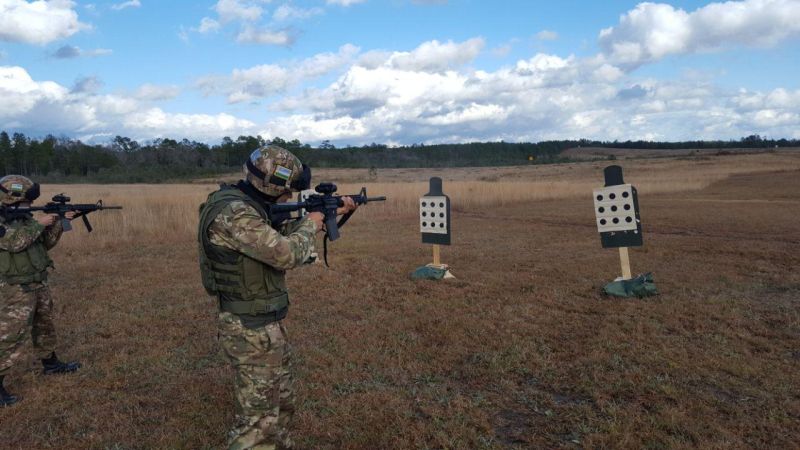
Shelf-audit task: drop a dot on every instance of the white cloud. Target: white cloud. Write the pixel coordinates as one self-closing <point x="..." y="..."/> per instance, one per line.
<point x="547" y="35"/>
<point x="38" y="22"/>
<point x="128" y="4"/>
<point x="289" y="12"/>
<point x="394" y="97"/>
<point x="652" y="31"/>
<point x="71" y="51"/>
<point x="207" y="25"/>
<point x="40" y="107"/>
<point x="238" y="10"/>
<point x="269" y="79"/>
<point x="246" y="15"/>
<point x="153" y="92"/>
<point x="253" y="35"/>
<point x="344" y="2"/>
<point x="156" y="123"/>
<point x="434" y="56"/>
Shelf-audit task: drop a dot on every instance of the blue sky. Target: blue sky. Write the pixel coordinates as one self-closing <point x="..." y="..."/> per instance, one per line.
<point x="400" y="71"/>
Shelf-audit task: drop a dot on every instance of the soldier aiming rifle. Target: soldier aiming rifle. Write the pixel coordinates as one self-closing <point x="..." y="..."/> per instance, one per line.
<point x="24" y="293"/>
<point x="247" y="243"/>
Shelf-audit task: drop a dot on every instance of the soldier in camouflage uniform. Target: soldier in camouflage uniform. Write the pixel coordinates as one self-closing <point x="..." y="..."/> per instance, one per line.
<point x="25" y="301"/>
<point x="243" y="259"/>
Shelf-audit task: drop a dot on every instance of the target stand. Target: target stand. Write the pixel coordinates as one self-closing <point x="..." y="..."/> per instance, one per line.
<point x="434" y="225"/>
<point x="616" y="208"/>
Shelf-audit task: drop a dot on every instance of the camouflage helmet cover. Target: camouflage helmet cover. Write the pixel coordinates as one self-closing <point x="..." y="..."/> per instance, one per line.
<point x="16" y="188"/>
<point x="275" y="171"/>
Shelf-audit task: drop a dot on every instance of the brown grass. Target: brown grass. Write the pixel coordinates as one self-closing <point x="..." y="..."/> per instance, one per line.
<point x="520" y="351"/>
<point x="168" y="213"/>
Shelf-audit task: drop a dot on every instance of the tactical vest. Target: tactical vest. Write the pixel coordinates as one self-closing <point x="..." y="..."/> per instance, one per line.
<point x="28" y="266"/>
<point x="243" y="285"/>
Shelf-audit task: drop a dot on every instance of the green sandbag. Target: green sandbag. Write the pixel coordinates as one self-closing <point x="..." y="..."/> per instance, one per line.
<point x="641" y="286"/>
<point x="428" y="273"/>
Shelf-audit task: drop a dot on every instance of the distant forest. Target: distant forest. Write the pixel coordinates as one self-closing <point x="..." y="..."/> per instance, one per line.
<point x="124" y="160"/>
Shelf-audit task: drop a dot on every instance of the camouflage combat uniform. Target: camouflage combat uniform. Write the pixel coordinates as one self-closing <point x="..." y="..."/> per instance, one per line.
<point x="250" y="331"/>
<point x="25" y="302"/>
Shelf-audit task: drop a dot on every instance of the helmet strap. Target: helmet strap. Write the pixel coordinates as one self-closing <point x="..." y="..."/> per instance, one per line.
<point x="255" y="194"/>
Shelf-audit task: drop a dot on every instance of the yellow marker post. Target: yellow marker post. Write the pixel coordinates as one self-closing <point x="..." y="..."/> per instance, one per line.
<point x="625" y="262"/>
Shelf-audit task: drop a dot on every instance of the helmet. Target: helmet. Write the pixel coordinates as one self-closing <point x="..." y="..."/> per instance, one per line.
<point x="274" y="171"/>
<point x="16" y="188"/>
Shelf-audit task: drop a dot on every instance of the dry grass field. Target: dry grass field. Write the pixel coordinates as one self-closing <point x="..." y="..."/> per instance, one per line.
<point x="520" y="351"/>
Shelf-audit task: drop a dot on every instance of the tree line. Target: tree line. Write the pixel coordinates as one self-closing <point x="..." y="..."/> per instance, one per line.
<point x="126" y="160"/>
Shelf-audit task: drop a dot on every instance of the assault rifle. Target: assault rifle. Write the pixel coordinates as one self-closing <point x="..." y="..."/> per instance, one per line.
<point x="59" y="206"/>
<point x="327" y="204"/>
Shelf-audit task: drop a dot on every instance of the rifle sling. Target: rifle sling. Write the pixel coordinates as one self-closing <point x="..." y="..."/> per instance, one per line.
<point x="340" y="224"/>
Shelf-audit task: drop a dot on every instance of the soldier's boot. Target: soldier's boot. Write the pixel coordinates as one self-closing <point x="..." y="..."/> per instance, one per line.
<point x="6" y="399"/>
<point x="52" y="365"/>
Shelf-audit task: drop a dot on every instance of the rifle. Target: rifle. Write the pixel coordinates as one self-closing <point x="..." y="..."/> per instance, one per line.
<point x="326" y="203"/>
<point x="59" y="206"/>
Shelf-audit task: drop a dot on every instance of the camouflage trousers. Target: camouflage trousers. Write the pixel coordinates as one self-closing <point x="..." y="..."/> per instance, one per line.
<point x="23" y="308"/>
<point x="264" y="391"/>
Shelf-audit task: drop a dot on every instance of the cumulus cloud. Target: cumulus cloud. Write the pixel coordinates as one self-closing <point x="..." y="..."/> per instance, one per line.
<point x="433" y="56"/>
<point x="246" y="15"/>
<point x="40" y="107"/>
<point x="71" y="51"/>
<point x="289" y="12"/>
<point x="235" y="10"/>
<point x="207" y="25"/>
<point x="254" y="35"/>
<point x="269" y="79"/>
<point x="128" y="4"/>
<point x="382" y="98"/>
<point x="652" y="31"/>
<point x="38" y="22"/>
<point x="153" y="92"/>
<point x="157" y="123"/>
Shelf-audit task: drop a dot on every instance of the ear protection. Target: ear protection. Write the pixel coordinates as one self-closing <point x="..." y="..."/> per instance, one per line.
<point x="304" y="181"/>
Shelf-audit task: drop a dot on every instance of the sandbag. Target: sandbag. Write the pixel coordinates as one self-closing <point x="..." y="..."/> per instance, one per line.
<point x="640" y="287"/>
